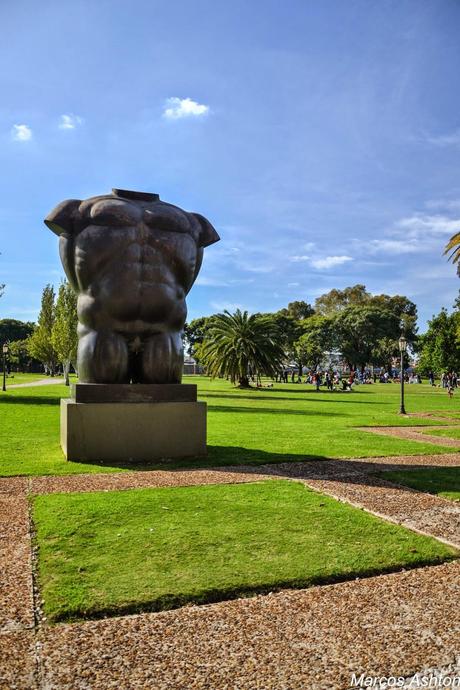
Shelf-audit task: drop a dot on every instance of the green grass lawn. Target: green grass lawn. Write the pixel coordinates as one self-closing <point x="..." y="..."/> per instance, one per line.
<point x="451" y="432"/>
<point x="109" y="553"/>
<point x="443" y="481"/>
<point x="285" y="423"/>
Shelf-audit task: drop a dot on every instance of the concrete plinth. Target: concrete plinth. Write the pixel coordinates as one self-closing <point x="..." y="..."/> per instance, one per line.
<point x="132" y="432"/>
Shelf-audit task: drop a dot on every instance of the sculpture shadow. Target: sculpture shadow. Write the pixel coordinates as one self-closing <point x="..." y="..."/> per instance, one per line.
<point x="204" y="396"/>
<point x="269" y="410"/>
<point x="294" y="465"/>
<point x="218" y="457"/>
<point x="29" y="400"/>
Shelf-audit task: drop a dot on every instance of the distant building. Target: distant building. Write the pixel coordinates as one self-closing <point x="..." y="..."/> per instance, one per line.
<point x="191" y="366"/>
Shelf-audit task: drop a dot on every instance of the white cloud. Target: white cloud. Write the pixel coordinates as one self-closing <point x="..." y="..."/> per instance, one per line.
<point x="416" y="233"/>
<point x="176" y="108"/>
<point x="420" y="225"/>
<point x="226" y="306"/>
<point x="21" y="133"/>
<point x="299" y="258"/>
<point x="394" y="246"/>
<point x="293" y="284"/>
<point x="70" y="121"/>
<point x="330" y="261"/>
<point x="452" y="139"/>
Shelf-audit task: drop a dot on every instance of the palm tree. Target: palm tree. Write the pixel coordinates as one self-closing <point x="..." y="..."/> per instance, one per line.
<point x="454" y="246"/>
<point x="239" y="345"/>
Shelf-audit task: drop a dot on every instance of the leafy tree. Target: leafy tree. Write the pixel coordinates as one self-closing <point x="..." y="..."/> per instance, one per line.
<point x="403" y="309"/>
<point x="298" y="310"/>
<point x="358" y="330"/>
<point x="289" y="324"/>
<point x="453" y="246"/>
<point x="337" y="300"/>
<point x="64" y="330"/>
<point x="40" y="343"/>
<point x="315" y="341"/>
<point x="12" y="329"/>
<point x="18" y="354"/>
<point x="239" y="345"/>
<point x="195" y="332"/>
<point x="440" y="346"/>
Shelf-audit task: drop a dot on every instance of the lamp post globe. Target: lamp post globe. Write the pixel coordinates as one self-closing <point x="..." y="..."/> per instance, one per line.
<point x="402" y="349"/>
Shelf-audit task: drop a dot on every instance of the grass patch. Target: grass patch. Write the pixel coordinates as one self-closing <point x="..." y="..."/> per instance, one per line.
<point x="109" y="553"/>
<point x="451" y="432"/>
<point x="281" y="424"/>
<point x="442" y="481"/>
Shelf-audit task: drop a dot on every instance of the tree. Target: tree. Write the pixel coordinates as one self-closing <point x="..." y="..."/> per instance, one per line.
<point x="358" y="330"/>
<point x="337" y="300"/>
<point x="64" y="330"/>
<point x="298" y="310"/>
<point x="12" y="329"/>
<point x="40" y="342"/>
<point x="195" y="332"/>
<point x="239" y="346"/>
<point x="403" y="309"/>
<point x="18" y="354"/>
<point x="315" y="341"/>
<point x="440" y="346"/>
<point x="453" y="246"/>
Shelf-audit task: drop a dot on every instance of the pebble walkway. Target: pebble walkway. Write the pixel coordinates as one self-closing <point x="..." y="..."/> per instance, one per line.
<point x="293" y="640"/>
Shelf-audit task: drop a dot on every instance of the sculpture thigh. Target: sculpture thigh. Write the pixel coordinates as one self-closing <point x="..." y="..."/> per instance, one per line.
<point x="162" y="358"/>
<point x="102" y="357"/>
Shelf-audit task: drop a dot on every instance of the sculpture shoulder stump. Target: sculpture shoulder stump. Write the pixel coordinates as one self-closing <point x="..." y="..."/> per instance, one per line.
<point x="132" y="260"/>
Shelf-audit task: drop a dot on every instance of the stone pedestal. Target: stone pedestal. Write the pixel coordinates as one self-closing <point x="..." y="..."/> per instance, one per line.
<point x="132" y="423"/>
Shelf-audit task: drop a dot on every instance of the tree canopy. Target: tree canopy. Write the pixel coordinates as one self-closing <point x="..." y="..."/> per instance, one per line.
<point x="440" y="345"/>
<point x="64" y="337"/>
<point x="12" y="329"/>
<point x="240" y="345"/>
<point x="40" y="342"/>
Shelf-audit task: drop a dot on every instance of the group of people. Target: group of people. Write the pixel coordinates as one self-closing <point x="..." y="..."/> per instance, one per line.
<point x="449" y="381"/>
<point x="331" y="379"/>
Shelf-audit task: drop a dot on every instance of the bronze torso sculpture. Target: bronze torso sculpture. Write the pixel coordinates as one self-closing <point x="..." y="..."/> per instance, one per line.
<point x="132" y="259"/>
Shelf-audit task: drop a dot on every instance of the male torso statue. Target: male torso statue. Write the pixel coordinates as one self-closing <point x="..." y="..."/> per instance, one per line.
<point x="132" y="259"/>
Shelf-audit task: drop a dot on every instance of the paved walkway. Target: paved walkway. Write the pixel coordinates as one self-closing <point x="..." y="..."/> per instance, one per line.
<point x="41" y="382"/>
<point x="392" y="624"/>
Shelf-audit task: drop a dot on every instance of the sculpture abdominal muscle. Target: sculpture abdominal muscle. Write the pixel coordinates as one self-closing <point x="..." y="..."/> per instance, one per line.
<point x="133" y="279"/>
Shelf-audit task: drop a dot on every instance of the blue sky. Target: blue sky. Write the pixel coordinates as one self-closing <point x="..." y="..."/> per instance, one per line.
<point x="322" y="139"/>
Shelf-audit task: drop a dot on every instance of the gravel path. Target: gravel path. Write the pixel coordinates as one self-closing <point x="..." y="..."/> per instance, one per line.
<point x="16" y="602"/>
<point x="292" y="640"/>
<point x="413" y="433"/>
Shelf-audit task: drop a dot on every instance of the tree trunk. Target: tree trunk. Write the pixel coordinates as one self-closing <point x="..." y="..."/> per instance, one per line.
<point x="66" y="367"/>
<point x="244" y="382"/>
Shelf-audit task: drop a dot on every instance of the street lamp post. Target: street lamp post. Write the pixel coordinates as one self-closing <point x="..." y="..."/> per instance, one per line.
<point x="4" y="353"/>
<point x="402" y="350"/>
